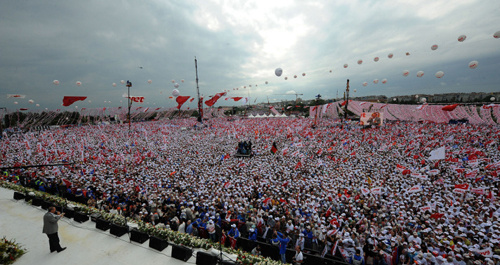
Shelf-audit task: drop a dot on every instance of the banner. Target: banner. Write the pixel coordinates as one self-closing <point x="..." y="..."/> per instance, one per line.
<point x="438" y="153"/>
<point x="377" y="190"/>
<point x="414" y="189"/>
<point x="479" y="191"/>
<point x="371" y="119"/>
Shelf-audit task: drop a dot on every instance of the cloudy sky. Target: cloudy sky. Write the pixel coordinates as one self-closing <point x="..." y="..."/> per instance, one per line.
<point x="239" y="44"/>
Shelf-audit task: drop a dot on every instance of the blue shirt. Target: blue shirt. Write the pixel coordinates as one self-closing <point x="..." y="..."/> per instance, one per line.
<point x="189" y="229"/>
<point x="234" y="232"/>
<point x="283" y="243"/>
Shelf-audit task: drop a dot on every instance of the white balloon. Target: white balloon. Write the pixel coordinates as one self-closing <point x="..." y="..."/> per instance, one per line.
<point x="176" y="85"/>
<point x="149" y="81"/>
<point x="492" y="98"/>
<point x="390" y="55"/>
<point x="375" y="81"/>
<point x="461" y="38"/>
<point x="38" y="105"/>
<point x="423" y="100"/>
<point x="420" y="73"/>
<point x="76" y="107"/>
<point x="394" y="99"/>
<point x="384" y="81"/>
<point x="122" y="81"/>
<point x="473" y="64"/>
<point x="360" y="61"/>
<point x="90" y="101"/>
<point x="434" y="47"/>
<point x="114" y="84"/>
<point x="439" y="74"/>
<point x="376" y="59"/>
<point x="182" y="80"/>
<point x="78" y="83"/>
<point x="15" y="102"/>
<point x="56" y="82"/>
<point x="365" y="83"/>
<point x="278" y="71"/>
<point x="31" y="101"/>
<point x="346" y="65"/>
<point x="497" y="35"/>
<point x="406" y="73"/>
<point x="175" y="93"/>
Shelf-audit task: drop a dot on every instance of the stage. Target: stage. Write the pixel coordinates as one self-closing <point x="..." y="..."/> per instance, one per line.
<point x="85" y="244"/>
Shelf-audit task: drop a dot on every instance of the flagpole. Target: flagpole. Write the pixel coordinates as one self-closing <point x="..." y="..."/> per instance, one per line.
<point x="200" y="103"/>
<point x="347" y="99"/>
<point x="129" y="84"/>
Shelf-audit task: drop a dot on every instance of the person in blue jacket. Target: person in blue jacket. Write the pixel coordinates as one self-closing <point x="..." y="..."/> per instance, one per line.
<point x="283" y="239"/>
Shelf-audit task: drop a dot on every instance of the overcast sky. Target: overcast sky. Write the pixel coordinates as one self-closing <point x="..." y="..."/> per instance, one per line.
<point x="241" y="43"/>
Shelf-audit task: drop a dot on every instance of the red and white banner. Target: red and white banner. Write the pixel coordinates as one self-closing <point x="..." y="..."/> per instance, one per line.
<point x="137" y="99"/>
<point x="377" y="190"/>
<point x="479" y="191"/>
<point x="487" y="252"/>
<point x="365" y="191"/>
<point x="426" y="208"/>
<point x="416" y="188"/>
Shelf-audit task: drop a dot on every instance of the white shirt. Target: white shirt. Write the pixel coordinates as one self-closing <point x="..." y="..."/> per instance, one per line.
<point x="299" y="256"/>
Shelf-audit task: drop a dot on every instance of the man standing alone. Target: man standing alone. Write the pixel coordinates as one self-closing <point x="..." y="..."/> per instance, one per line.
<point x="50" y="228"/>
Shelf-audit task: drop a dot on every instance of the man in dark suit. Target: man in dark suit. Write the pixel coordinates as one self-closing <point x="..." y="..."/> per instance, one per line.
<point x="50" y="228"/>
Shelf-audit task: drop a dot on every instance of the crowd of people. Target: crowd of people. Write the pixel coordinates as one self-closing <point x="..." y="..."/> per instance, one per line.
<point x="370" y="195"/>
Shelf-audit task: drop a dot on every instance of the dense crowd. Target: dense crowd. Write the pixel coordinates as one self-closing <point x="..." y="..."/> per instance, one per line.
<point x="338" y="189"/>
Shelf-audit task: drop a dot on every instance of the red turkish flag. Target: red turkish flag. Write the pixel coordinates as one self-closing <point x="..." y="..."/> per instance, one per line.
<point x="462" y="186"/>
<point x="449" y="107"/>
<point x="214" y="99"/>
<point x="181" y="100"/>
<point x="68" y="100"/>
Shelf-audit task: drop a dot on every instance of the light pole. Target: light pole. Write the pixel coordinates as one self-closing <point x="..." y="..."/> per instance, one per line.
<point x="129" y="85"/>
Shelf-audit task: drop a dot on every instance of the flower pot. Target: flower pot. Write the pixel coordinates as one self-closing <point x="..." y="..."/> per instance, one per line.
<point x="138" y="236"/>
<point x="157" y="243"/>
<point x="36" y="201"/>
<point x="46" y="204"/>
<point x="101" y="224"/>
<point x="18" y="195"/>
<point x="118" y="230"/>
<point x="80" y="217"/>
<point x="29" y="198"/>
<point x="58" y="208"/>
<point x="70" y="213"/>
<point x="181" y="252"/>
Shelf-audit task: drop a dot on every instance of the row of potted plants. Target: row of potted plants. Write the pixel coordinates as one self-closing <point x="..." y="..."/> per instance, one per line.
<point x="159" y="236"/>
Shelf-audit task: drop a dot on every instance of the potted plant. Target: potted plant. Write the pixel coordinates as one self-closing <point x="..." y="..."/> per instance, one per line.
<point x="118" y="225"/>
<point x="81" y="214"/>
